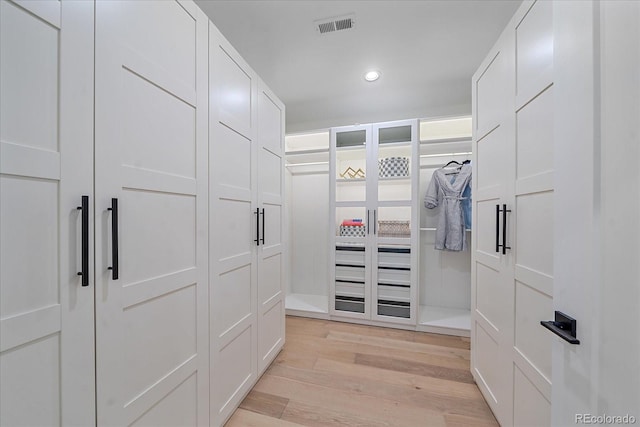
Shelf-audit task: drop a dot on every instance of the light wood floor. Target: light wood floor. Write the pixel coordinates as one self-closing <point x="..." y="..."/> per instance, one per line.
<point x="341" y="374"/>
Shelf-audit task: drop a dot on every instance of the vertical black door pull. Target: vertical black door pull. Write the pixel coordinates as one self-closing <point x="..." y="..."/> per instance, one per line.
<point x="498" y="228"/>
<point x="375" y="220"/>
<point x="367" y="225"/>
<point x="85" y="241"/>
<point x="257" y="214"/>
<point x="114" y="239"/>
<point x="263" y="227"/>
<point x="504" y="229"/>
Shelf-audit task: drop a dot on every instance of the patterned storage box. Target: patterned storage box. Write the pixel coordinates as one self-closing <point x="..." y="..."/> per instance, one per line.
<point x="393" y="167"/>
<point x="352" y="230"/>
<point x="394" y="229"/>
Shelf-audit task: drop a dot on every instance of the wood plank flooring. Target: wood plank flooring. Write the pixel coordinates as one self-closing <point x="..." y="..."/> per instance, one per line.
<point x="341" y="374"/>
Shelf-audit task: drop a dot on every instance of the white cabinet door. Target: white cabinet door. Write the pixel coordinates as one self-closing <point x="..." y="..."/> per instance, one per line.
<point x="151" y="157"/>
<point x="234" y="220"/>
<point x="491" y="270"/>
<point x="271" y="249"/>
<point x="532" y="209"/>
<point x="46" y="164"/>
<point x="513" y="285"/>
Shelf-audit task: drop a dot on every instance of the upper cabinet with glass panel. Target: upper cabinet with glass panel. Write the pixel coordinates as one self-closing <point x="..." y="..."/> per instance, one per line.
<point x="397" y="134"/>
<point x="394" y="160"/>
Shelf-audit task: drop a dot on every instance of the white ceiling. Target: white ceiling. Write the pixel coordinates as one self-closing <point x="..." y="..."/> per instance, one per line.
<point x="426" y="50"/>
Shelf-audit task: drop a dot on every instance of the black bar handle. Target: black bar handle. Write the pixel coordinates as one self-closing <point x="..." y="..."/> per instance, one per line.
<point x="257" y="214"/>
<point x="367" y="225"/>
<point x="263" y="227"/>
<point x="504" y="229"/>
<point x="114" y="239"/>
<point x="85" y="241"/>
<point x="498" y="228"/>
<point x="375" y="220"/>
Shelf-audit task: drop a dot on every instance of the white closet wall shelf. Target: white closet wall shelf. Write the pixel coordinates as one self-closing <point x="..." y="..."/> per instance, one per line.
<point x="465" y="153"/>
<point x="342" y="180"/>
<point x="310" y="151"/>
<point x="294" y="165"/>
<point x="427" y="142"/>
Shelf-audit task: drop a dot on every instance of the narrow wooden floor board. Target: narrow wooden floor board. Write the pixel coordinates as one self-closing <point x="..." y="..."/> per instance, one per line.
<point x="243" y="418"/>
<point x="342" y="374"/>
<point x="264" y="403"/>
<point x="310" y="415"/>
<point x="440" y="386"/>
<point x="399" y="344"/>
<point x="413" y="367"/>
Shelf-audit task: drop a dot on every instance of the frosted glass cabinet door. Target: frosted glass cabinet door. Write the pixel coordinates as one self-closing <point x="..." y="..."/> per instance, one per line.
<point x="46" y="166"/>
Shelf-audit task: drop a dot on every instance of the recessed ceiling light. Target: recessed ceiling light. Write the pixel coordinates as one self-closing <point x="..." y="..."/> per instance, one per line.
<point x="372" y="76"/>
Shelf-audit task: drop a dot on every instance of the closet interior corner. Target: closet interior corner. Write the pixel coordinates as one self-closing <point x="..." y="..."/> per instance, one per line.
<point x="331" y="225"/>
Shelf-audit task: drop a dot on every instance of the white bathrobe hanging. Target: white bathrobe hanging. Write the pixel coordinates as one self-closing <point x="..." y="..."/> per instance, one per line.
<point x="450" y="233"/>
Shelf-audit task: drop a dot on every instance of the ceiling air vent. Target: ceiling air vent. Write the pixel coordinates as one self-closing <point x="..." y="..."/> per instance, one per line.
<point x="338" y="23"/>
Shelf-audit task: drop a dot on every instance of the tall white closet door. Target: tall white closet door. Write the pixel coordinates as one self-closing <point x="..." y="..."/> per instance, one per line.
<point x="151" y="157"/>
<point x="534" y="210"/>
<point x="271" y="296"/>
<point x="234" y="227"/>
<point x="491" y="269"/>
<point x="513" y="287"/>
<point x="46" y="161"/>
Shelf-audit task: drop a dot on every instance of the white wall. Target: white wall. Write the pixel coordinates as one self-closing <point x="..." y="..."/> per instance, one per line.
<point x="597" y="105"/>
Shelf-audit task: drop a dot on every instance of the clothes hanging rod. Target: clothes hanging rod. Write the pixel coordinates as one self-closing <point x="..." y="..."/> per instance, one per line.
<point x="435" y="229"/>
<point x="464" y="153"/>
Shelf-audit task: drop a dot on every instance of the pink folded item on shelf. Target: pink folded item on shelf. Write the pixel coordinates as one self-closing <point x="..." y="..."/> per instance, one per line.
<point x="352" y="223"/>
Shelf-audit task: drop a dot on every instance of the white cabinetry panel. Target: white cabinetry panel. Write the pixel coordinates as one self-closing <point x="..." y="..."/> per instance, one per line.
<point x="246" y="249"/>
<point x="29" y="213"/>
<point x="515" y="294"/>
<point x="165" y="414"/>
<point x="531" y="340"/>
<point x="530" y="408"/>
<point x="535" y="136"/>
<point x="31" y="382"/>
<point x="534" y="245"/>
<point x="29" y="99"/>
<point x="46" y="315"/>
<point x="234" y="99"/>
<point x="159" y="124"/>
<point x="151" y="151"/>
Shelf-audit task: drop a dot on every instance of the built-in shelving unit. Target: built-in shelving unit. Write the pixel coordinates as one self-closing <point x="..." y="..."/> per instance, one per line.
<point x="360" y="278"/>
<point x="307" y="211"/>
<point x="374" y="219"/>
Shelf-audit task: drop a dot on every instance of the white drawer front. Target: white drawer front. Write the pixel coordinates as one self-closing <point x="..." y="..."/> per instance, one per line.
<point x="350" y="289"/>
<point x="394" y="293"/>
<point x="392" y="259"/>
<point x="349" y="257"/>
<point x="400" y="277"/>
<point x="350" y="273"/>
